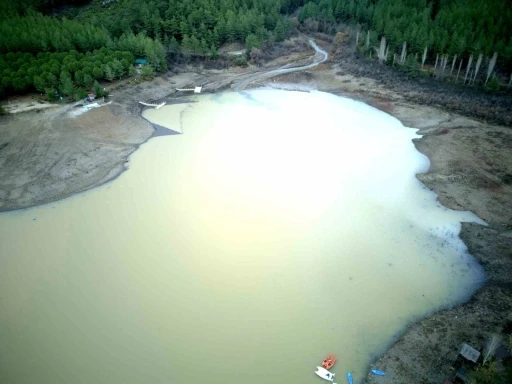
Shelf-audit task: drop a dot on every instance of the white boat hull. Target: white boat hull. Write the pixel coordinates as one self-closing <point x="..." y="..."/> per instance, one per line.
<point x="325" y="374"/>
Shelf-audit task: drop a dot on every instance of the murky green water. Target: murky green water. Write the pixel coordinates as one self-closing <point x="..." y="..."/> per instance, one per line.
<point x="279" y="227"/>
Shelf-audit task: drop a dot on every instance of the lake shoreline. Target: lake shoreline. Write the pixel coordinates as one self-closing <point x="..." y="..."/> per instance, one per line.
<point x="50" y="156"/>
<point x="470" y="168"/>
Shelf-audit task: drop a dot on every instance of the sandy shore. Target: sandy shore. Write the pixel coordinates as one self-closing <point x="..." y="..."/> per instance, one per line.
<point x="52" y="154"/>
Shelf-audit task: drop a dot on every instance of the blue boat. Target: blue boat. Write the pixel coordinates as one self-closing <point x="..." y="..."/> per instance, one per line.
<point x="349" y="378"/>
<point x="377" y="372"/>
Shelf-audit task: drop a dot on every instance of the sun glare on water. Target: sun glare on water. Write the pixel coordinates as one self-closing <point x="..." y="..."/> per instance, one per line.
<point x="280" y="227"/>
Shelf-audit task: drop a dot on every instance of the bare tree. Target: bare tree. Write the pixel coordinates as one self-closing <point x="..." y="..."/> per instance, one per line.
<point x="492" y="344"/>
<point x="477" y="66"/>
<point x="510" y="82"/>
<point x="386" y="54"/>
<point x="424" y="57"/>
<point x="404" y="53"/>
<point x="440" y="69"/>
<point x="368" y="40"/>
<point x="444" y="61"/>
<point x="394" y="59"/>
<point x="357" y="39"/>
<point x="381" y="52"/>
<point x="458" y="72"/>
<point x="468" y="68"/>
<point x="437" y="59"/>
<point x="490" y="68"/>
<point x="453" y="63"/>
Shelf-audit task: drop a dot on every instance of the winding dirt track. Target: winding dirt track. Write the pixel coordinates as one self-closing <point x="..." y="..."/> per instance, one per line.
<point x="320" y="57"/>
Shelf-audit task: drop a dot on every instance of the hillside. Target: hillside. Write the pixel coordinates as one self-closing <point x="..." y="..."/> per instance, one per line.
<point x="63" y="48"/>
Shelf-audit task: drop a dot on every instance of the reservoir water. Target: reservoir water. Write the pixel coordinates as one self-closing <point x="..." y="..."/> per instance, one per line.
<point x="280" y="227"/>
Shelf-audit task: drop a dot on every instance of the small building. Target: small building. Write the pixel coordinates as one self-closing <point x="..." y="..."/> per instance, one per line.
<point x="140" y="62"/>
<point x="466" y="362"/>
<point x="469" y="353"/>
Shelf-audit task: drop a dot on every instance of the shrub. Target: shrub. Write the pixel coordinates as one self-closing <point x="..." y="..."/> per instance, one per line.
<point x="255" y="54"/>
<point x="80" y="94"/>
<point x="492" y="85"/>
<point x="487" y="373"/>
<point x="252" y="41"/>
<point x="51" y="94"/>
<point x="147" y="72"/>
<point x="241" y="61"/>
<point x="98" y="90"/>
<point x="411" y="66"/>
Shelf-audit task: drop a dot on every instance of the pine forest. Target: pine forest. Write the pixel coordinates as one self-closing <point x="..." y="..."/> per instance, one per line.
<point x="65" y="48"/>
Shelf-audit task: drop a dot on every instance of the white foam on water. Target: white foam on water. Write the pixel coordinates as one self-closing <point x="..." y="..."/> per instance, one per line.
<point x="280" y="227"/>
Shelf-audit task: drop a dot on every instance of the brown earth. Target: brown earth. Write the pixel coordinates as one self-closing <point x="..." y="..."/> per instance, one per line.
<point x="49" y="155"/>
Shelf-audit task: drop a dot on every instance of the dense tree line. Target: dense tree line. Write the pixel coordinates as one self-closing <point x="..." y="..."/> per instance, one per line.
<point x="71" y="73"/>
<point x="66" y="57"/>
<point x="461" y="27"/>
<point x="37" y="33"/>
<point x="18" y="7"/>
<point x="196" y="26"/>
<point x="82" y="45"/>
<point x="114" y="32"/>
<point x="62" y="73"/>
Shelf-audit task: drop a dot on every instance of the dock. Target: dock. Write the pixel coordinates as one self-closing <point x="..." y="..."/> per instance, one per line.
<point x="157" y="106"/>
<point x="195" y="90"/>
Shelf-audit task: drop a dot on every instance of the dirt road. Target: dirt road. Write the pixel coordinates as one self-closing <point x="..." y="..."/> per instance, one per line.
<point x="320" y="57"/>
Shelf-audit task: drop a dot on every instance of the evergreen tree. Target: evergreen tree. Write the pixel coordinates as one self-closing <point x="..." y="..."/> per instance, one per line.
<point x="98" y="90"/>
<point x="117" y="69"/>
<point x="147" y="72"/>
<point x="252" y="41"/>
<point x="109" y="73"/>
<point x="66" y="85"/>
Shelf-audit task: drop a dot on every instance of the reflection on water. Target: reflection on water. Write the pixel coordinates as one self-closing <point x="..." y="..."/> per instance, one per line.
<point x="276" y="229"/>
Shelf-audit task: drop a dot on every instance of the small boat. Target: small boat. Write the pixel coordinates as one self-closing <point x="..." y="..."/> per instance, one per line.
<point x="349" y="378"/>
<point x="325" y="374"/>
<point x="377" y="372"/>
<point x="329" y="361"/>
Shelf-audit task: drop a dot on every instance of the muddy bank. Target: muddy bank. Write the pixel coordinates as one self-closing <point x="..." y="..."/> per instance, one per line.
<point x="470" y="101"/>
<point x="49" y="155"/>
<point x="470" y="170"/>
<point x="56" y="151"/>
